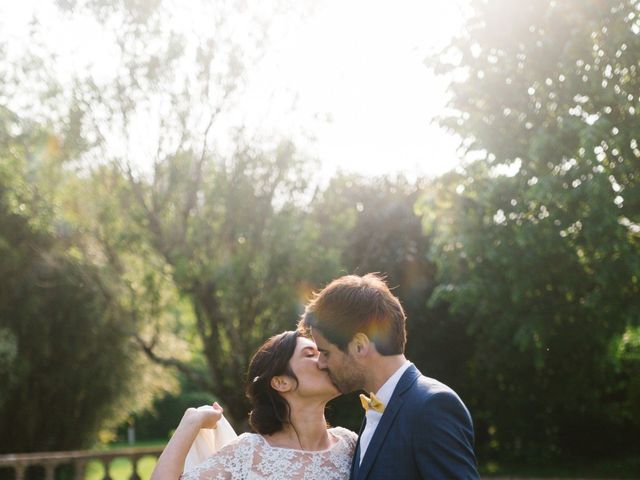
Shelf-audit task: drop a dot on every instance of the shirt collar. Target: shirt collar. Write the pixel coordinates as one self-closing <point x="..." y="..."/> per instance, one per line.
<point x="386" y="390"/>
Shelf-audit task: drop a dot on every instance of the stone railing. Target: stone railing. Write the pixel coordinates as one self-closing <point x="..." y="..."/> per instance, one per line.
<point x="20" y="462"/>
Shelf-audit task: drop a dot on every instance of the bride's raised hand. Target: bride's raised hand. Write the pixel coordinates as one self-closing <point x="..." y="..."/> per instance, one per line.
<point x="204" y="417"/>
<point x="171" y="462"/>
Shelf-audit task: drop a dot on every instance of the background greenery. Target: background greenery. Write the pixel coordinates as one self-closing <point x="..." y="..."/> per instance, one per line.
<point x="129" y="292"/>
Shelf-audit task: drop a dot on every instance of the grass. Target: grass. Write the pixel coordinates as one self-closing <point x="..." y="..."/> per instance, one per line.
<point x="623" y="468"/>
<point x="121" y="468"/>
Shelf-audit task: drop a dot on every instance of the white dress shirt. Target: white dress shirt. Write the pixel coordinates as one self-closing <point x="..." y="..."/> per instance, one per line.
<point x="373" y="417"/>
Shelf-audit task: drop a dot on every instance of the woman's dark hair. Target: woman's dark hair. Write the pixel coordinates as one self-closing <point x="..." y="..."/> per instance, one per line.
<point x="270" y="411"/>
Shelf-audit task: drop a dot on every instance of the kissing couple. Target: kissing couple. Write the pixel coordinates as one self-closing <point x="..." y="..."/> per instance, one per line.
<point x="351" y="337"/>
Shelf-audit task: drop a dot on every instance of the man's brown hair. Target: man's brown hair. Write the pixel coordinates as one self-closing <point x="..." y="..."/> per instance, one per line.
<point x="354" y="304"/>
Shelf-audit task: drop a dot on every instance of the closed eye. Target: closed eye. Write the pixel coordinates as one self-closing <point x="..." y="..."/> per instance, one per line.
<point x="310" y="352"/>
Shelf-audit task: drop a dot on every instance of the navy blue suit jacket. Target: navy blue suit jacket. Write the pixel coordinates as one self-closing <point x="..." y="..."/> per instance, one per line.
<point x="425" y="433"/>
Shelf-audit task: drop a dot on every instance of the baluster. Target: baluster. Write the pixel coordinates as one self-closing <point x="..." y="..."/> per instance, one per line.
<point x="20" y="469"/>
<point x="47" y="464"/>
<point x="79" y="468"/>
<point x="50" y="470"/>
<point x="134" y="466"/>
<point x="106" y="462"/>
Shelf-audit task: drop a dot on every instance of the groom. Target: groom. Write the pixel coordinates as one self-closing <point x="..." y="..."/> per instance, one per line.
<point x="414" y="426"/>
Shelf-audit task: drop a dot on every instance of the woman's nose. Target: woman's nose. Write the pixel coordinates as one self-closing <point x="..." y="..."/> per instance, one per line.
<point x="322" y="362"/>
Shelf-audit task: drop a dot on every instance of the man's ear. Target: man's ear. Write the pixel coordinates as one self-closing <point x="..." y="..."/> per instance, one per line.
<point x="360" y="345"/>
<point x="281" y="383"/>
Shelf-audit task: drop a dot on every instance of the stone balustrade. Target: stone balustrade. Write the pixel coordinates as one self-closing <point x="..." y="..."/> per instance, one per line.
<point x="20" y="462"/>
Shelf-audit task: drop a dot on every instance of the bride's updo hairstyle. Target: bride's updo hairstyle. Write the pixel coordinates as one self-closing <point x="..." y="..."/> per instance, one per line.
<point x="270" y="411"/>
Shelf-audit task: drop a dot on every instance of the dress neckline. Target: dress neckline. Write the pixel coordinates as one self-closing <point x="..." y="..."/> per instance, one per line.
<point x="336" y="437"/>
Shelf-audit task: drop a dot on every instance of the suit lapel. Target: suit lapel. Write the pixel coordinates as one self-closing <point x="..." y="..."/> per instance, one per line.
<point x="390" y="412"/>
<point x="355" y="460"/>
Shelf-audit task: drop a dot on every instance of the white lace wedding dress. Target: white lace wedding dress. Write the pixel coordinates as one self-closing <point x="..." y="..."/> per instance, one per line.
<point x="250" y="457"/>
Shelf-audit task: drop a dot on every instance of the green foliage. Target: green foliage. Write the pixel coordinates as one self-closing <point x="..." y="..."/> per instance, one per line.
<point x="537" y="241"/>
<point x="60" y="384"/>
<point x="53" y="321"/>
<point x="161" y="419"/>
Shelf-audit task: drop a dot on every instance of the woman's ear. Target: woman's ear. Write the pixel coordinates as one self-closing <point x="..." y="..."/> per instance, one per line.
<point x="281" y="383"/>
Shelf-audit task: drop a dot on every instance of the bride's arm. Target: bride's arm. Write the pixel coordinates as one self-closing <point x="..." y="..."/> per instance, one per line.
<point x="171" y="462"/>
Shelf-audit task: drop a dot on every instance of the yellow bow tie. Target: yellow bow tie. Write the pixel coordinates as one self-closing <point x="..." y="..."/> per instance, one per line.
<point x="371" y="403"/>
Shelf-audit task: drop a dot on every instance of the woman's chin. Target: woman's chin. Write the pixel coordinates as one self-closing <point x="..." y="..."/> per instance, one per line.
<point x="328" y="393"/>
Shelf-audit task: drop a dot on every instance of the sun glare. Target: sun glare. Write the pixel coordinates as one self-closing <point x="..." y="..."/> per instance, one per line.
<point x="347" y="82"/>
<point x="363" y="91"/>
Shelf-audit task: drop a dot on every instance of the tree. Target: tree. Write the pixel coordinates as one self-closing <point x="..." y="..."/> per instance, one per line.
<point x="189" y="216"/>
<point x="60" y="385"/>
<point x="537" y="241"/>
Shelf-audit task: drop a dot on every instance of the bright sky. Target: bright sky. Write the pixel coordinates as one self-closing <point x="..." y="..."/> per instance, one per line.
<point x="356" y="69"/>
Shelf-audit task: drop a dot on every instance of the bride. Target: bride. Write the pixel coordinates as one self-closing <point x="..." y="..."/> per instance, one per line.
<point x="288" y="394"/>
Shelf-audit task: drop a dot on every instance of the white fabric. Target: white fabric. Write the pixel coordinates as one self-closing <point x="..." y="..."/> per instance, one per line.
<point x="373" y="417"/>
<point x="250" y="457"/>
<point x="208" y="441"/>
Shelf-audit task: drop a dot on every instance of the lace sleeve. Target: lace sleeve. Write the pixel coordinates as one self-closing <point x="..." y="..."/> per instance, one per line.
<point x="347" y="436"/>
<point x="231" y="462"/>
